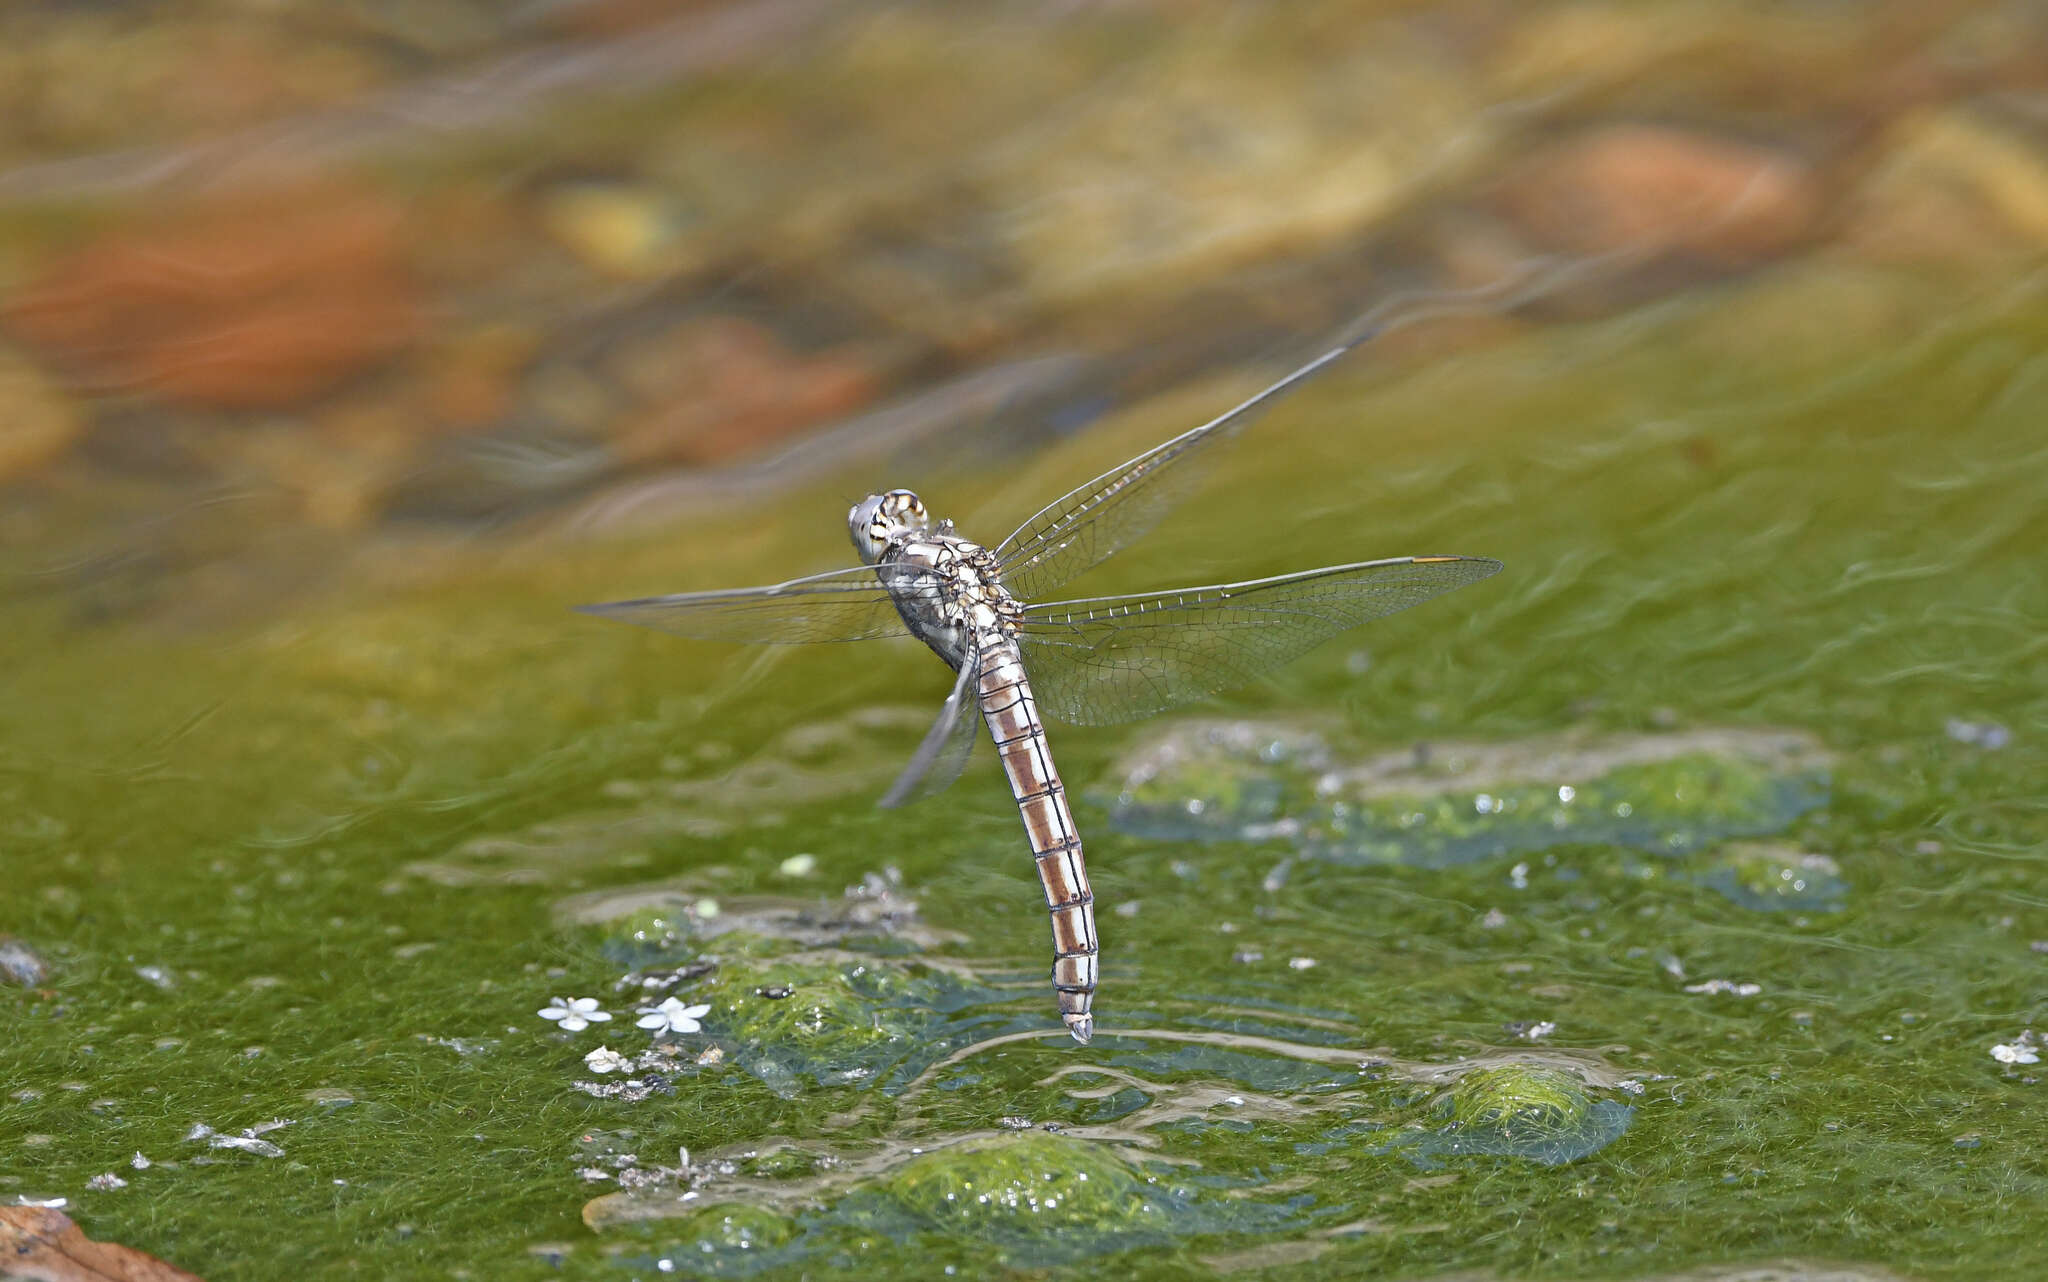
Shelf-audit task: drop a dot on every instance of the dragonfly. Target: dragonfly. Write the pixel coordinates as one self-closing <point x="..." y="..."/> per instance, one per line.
<point x="1090" y="662"/>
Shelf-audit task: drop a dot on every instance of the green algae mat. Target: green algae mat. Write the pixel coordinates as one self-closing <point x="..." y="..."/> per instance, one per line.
<point x="1678" y="898"/>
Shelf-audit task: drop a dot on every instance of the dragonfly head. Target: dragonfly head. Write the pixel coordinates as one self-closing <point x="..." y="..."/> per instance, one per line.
<point x="879" y="519"/>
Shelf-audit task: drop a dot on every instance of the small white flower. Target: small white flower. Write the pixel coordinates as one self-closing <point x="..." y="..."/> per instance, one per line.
<point x="574" y="1014"/>
<point x="606" y="1060"/>
<point x="1538" y="1031"/>
<point x="672" y="1017"/>
<point x="2017" y="1052"/>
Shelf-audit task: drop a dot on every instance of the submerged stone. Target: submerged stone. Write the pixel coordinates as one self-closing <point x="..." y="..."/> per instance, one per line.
<point x="1521" y="1098"/>
<point x="1034" y="1185"/>
<point x="1772" y="878"/>
<point x="737" y="1226"/>
<point x="838" y="1022"/>
<point x="1532" y="1111"/>
<point x="1456" y="803"/>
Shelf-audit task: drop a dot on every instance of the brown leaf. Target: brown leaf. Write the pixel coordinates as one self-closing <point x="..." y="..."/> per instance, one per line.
<point x="43" y="1244"/>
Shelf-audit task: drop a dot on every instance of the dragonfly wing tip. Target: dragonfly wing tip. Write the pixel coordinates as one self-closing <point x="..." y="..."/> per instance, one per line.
<point x="1082" y="1026"/>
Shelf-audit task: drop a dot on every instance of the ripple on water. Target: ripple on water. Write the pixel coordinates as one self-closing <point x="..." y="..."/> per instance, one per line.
<point x="1123" y="1167"/>
<point x="1025" y="1200"/>
<point x="1447" y="804"/>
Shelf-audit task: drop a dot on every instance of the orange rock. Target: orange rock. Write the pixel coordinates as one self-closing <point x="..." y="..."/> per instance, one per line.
<point x="720" y="387"/>
<point x="38" y="1242"/>
<point x="1640" y="187"/>
<point x="229" y="308"/>
<point x="472" y="377"/>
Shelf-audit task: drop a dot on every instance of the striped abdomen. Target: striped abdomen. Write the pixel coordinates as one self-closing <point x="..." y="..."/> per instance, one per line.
<point x="1012" y="716"/>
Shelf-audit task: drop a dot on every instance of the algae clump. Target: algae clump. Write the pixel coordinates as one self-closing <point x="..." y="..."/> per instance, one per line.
<point x="1033" y="1184"/>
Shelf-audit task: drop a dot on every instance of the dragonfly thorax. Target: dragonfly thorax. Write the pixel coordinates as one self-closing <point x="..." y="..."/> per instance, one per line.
<point x="949" y="591"/>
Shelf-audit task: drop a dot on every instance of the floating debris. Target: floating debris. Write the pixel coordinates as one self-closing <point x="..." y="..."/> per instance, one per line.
<point x="1727" y="986"/>
<point x="20" y="964"/>
<point x="573" y="1014"/>
<point x="249" y="1141"/>
<point x="606" y="1060"/>
<point x="159" y="976"/>
<point x="798" y="866"/>
<point x="663" y="978"/>
<point x="105" y="1182"/>
<point x="1989" y="735"/>
<point x="463" y="1046"/>
<point x="632" y="1090"/>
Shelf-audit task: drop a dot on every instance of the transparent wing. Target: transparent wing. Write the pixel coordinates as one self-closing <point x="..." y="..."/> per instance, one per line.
<point x="1113" y="659"/>
<point x="939" y="760"/>
<point x="843" y="605"/>
<point x="1081" y="529"/>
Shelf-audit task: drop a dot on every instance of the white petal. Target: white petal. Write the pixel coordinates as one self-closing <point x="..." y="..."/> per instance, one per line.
<point x="653" y="1019"/>
<point x="684" y="1025"/>
<point x="696" y="1012"/>
<point x="597" y="1014"/>
<point x="583" y="1004"/>
<point x="551" y="1012"/>
<point x="574" y="1024"/>
<point x="669" y="1006"/>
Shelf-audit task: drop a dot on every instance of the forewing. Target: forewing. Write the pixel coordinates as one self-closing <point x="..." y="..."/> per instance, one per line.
<point x="1082" y="528"/>
<point x="843" y="605"/>
<point x="1114" y="659"/>
<point x="943" y="754"/>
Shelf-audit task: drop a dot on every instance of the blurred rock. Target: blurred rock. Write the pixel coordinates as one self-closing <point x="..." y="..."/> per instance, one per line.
<point x="472" y="377"/>
<point x="718" y="387"/>
<point x="37" y="422"/>
<point x="1960" y="183"/>
<point x="337" y="478"/>
<point x="233" y="307"/>
<point x="1650" y="189"/>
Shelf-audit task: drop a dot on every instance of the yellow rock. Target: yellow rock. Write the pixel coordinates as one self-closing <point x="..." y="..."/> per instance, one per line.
<point x="1957" y="183"/>
<point x="619" y="230"/>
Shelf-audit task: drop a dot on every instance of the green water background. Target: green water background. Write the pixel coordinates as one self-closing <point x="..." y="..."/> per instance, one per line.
<point x="1702" y="527"/>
